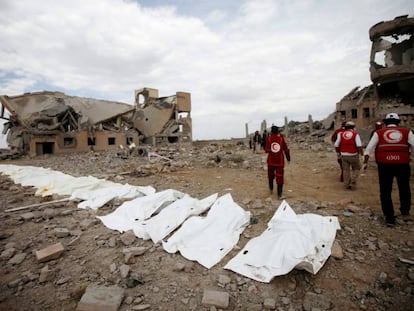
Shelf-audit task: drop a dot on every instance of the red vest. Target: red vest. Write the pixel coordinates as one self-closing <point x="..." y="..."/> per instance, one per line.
<point x="276" y="146"/>
<point x="347" y="143"/>
<point x="393" y="146"/>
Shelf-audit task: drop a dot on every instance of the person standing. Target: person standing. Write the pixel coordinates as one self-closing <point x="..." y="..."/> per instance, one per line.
<point x="393" y="147"/>
<point x="256" y="141"/>
<point x="276" y="149"/>
<point x="348" y="146"/>
<point x="333" y="140"/>
<point x="264" y="139"/>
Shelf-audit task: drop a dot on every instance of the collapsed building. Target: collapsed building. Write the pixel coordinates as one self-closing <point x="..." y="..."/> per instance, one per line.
<point x="392" y="76"/>
<point x="52" y="122"/>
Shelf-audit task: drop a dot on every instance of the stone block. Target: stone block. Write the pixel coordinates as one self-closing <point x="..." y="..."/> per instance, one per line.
<point x="61" y="232"/>
<point x="101" y="299"/>
<point x="215" y="298"/>
<point x="51" y="252"/>
<point x="269" y="304"/>
<point x="28" y="216"/>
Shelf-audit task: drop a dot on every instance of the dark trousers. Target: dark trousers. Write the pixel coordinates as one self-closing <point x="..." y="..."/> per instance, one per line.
<point x="386" y="174"/>
<point x="275" y="172"/>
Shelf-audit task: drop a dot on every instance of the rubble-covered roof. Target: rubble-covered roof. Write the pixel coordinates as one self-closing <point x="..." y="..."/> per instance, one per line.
<point x="25" y="106"/>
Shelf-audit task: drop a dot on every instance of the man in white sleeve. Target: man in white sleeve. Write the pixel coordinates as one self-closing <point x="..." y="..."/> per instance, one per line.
<point x="393" y="147"/>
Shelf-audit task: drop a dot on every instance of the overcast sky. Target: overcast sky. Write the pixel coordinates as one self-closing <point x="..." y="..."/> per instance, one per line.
<point x="243" y="61"/>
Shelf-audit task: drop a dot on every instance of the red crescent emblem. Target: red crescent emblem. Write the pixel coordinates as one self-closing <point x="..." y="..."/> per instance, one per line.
<point x="348" y="135"/>
<point x="275" y="147"/>
<point x="392" y="136"/>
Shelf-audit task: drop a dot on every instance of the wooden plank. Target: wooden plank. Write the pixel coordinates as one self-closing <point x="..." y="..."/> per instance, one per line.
<point x="36" y="205"/>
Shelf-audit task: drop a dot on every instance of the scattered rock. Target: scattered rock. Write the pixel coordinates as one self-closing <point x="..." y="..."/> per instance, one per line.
<point x="61" y="232"/>
<point x="17" y="259"/>
<point x="336" y="251"/>
<point x="8" y="253"/>
<point x="128" y="237"/>
<point x="215" y="298"/>
<point x="124" y="271"/>
<point x="269" y="303"/>
<point x="51" y="252"/>
<point x="101" y="298"/>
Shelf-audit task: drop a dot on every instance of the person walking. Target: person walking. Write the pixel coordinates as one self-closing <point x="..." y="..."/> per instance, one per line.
<point x="377" y="126"/>
<point x="276" y="149"/>
<point x="333" y="140"/>
<point x="348" y="146"/>
<point x="393" y="147"/>
<point x="256" y="141"/>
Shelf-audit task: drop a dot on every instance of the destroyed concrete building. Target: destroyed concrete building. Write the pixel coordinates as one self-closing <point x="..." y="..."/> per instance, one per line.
<point x="52" y="122"/>
<point x="392" y="76"/>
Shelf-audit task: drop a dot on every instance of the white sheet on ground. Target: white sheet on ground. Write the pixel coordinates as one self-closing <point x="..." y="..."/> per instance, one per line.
<point x="95" y="198"/>
<point x="208" y="239"/>
<point x="95" y="191"/>
<point x="33" y="176"/>
<point x="171" y="217"/>
<point x="126" y="216"/>
<point x="290" y="241"/>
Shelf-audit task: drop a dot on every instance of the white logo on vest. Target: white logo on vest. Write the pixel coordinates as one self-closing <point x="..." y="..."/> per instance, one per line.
<point x="348" y="135"/>
<point x="392" y="136"/>
<point x="275" y="147"/>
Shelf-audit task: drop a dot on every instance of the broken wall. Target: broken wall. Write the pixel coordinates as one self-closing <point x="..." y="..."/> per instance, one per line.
<point x="392" y="58"/>
<point x="80" y="141"/>
<point x="392" y="74"/>
<point x="392" y="51"/>
<point x="359" y="106"/>
<point x="163" y="119"/>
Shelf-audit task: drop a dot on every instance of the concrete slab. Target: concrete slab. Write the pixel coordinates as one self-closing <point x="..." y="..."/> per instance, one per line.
<point x="101" y="299"/>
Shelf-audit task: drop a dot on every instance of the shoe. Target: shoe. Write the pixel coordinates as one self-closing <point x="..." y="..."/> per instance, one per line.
<point x="279" y="192"/>
<point x="390" y="222"/>
<point x="406" y="217"/>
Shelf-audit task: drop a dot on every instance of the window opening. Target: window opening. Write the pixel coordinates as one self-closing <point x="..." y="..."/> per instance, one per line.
<point x="111" y="140"/>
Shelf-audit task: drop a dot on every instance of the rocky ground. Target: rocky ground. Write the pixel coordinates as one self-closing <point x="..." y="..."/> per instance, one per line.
<point x="371" y="271"/>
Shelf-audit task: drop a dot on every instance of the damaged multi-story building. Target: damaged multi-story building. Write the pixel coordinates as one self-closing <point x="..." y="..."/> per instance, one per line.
<point x="392" y="76"/>
<point x="52" y="122"/>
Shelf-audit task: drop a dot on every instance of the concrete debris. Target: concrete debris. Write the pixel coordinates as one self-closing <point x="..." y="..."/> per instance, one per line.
<point x="17" y="259"/>
<point x="49" y="253"/>
<point x="215" y="298"/>
<point x="52" y="122"/>
<point x="99" y="298"/>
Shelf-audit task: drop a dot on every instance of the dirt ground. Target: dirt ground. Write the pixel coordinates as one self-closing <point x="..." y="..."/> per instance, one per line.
<point x="370" y="276"/>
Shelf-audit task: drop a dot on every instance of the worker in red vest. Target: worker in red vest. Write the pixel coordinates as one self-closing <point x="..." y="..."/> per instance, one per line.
<point x="393" y="147"/>
<point x="378" y="125"/>
<point x="348" y="146"/>
<point x="277" y="149"/>
<point x="333" y="140"/>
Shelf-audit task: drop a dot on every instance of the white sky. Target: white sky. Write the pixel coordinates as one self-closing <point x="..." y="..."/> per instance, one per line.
<point x="241" y="60"/>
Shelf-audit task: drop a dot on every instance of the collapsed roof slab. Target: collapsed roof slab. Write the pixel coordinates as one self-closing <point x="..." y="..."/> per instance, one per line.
<point x="95" y="110"/>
